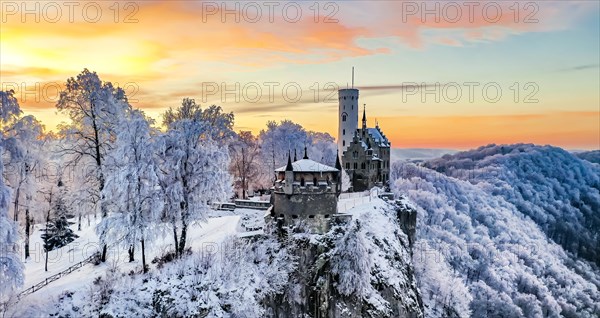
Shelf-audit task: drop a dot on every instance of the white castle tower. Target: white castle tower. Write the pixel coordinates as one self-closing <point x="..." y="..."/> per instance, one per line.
<point x="348" y="116"/>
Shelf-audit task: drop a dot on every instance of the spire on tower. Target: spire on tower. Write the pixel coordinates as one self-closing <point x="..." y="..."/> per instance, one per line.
<point x="295" y="157"/>
<point x="305" y="153"/>
<point x="289" y="166"/>
<point x="364" y="119"/>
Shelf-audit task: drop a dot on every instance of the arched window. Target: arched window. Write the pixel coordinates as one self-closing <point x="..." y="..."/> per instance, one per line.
<point x="344" y="117"/>
<point x="343" y="143"/>
<point x="355" y="165"/>
<point x="363" y="166"/>
<point x="347" y="166"/>
<point x="343" y="131"/>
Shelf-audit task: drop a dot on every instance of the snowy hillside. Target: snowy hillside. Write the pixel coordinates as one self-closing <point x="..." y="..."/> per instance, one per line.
<point x="591" y="156"/>
<point x="202" y="236"/>
<point x="363" y="269"/>
<point x="481" y="252"/>
<point x="556" y="189"/>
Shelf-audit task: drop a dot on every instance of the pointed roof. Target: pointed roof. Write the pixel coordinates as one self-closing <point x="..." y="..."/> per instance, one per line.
<point x="364" y="113"/>
<point x="289" y="166"/>
<point x="305" y="153"/>
<point x="338" y="164"/>
<point x="307" y="165"/>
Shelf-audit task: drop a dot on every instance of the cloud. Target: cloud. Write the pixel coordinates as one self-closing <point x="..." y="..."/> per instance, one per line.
<point x="579" y="68"/>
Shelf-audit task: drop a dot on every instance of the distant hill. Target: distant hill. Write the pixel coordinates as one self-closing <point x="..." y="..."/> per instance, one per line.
<point x="416" y="154"/>
<point x="591" y="156"/>
<point x="518" y="224"/>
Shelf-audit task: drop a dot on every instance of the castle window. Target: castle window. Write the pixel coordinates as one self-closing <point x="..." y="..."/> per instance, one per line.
<point x="344" y="97"/>
<point x="311" y="216"/>
<point x="344" y="143"/>
<point x="315" y="181"/>
<point x="327" y="216"/>
<point x="294" y="216"/>
<point x="343" y="131"/>
<point x="363" y="166"/>
<point x="302" y="183"/>
<point x="344" y="117"/>
<point x="355" y="155"/>
<point x="347" y="166"/>
<point x="355" y="165"/>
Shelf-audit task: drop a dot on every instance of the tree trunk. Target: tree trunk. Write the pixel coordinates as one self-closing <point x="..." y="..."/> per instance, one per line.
<point x="176" y="241"/>
<point x="144" y="258"/>
<point x="104" y="250"/>
<point x="131" y="252"/>
<point x="17" y="204"/>
<point x="243" y="174"/>
<point x="182" y="238"/>
<point x="47" y="221"/>
<point x="27" y="233"/>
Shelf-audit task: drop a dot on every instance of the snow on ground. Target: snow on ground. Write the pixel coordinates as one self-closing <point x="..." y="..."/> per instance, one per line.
<point x="201" y="236"/>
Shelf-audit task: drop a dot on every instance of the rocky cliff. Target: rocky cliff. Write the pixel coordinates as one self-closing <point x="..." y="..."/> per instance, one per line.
<point x="359" y="269"/>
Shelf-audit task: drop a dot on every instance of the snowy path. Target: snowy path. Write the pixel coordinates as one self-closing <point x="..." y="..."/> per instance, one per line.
<point x="200" y="236"/>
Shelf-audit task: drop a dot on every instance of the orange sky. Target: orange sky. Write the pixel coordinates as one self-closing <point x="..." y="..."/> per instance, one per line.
<point x="162" y="51"/>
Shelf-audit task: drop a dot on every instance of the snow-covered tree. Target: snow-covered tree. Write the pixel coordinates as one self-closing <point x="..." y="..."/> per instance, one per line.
<point x="220" y="123"/>
<point x="132" y="188"/>
<point x="27" y="132"/>
<point x="11" y="268"/>
<point x="279" y="138"/>
<point x="346" y="182"/>
<point x="58" y="232"/>
<point x="245" y="156"/>
<point x="193" y="173"/>
<point x="94" y="108"/>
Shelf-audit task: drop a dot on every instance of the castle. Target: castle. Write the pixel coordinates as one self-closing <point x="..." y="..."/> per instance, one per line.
<point x="306" y="191"/>
<point x="365" y="151"/>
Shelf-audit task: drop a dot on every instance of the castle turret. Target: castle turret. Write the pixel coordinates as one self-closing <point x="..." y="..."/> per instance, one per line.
<point x="338" y="165"/>
<point x="348" y="117"/>
<point x="288" y="187"/>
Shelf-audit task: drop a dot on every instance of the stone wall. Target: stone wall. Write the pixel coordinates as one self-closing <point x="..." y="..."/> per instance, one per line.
<point x="313" y="209"/>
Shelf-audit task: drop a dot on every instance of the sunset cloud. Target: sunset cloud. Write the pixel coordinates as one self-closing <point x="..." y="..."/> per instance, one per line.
<point x="163" y="51"/>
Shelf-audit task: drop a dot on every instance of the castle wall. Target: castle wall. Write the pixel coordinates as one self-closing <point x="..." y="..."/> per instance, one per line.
<point x="314" y="209"/>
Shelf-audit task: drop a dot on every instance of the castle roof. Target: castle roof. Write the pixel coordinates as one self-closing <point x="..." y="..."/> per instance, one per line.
<point x="307" y="165"/>
<point x="378" y="137"/>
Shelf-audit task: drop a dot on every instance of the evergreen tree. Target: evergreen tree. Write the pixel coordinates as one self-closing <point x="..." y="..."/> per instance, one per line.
<point x="57" y="232"/>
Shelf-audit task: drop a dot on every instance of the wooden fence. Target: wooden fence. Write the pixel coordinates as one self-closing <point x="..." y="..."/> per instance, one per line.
<point x="56" y="276"/>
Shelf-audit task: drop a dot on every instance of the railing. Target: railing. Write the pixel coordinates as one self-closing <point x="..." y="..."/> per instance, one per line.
<point x="348" y="201"/>
<point x="55" y="277"/>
